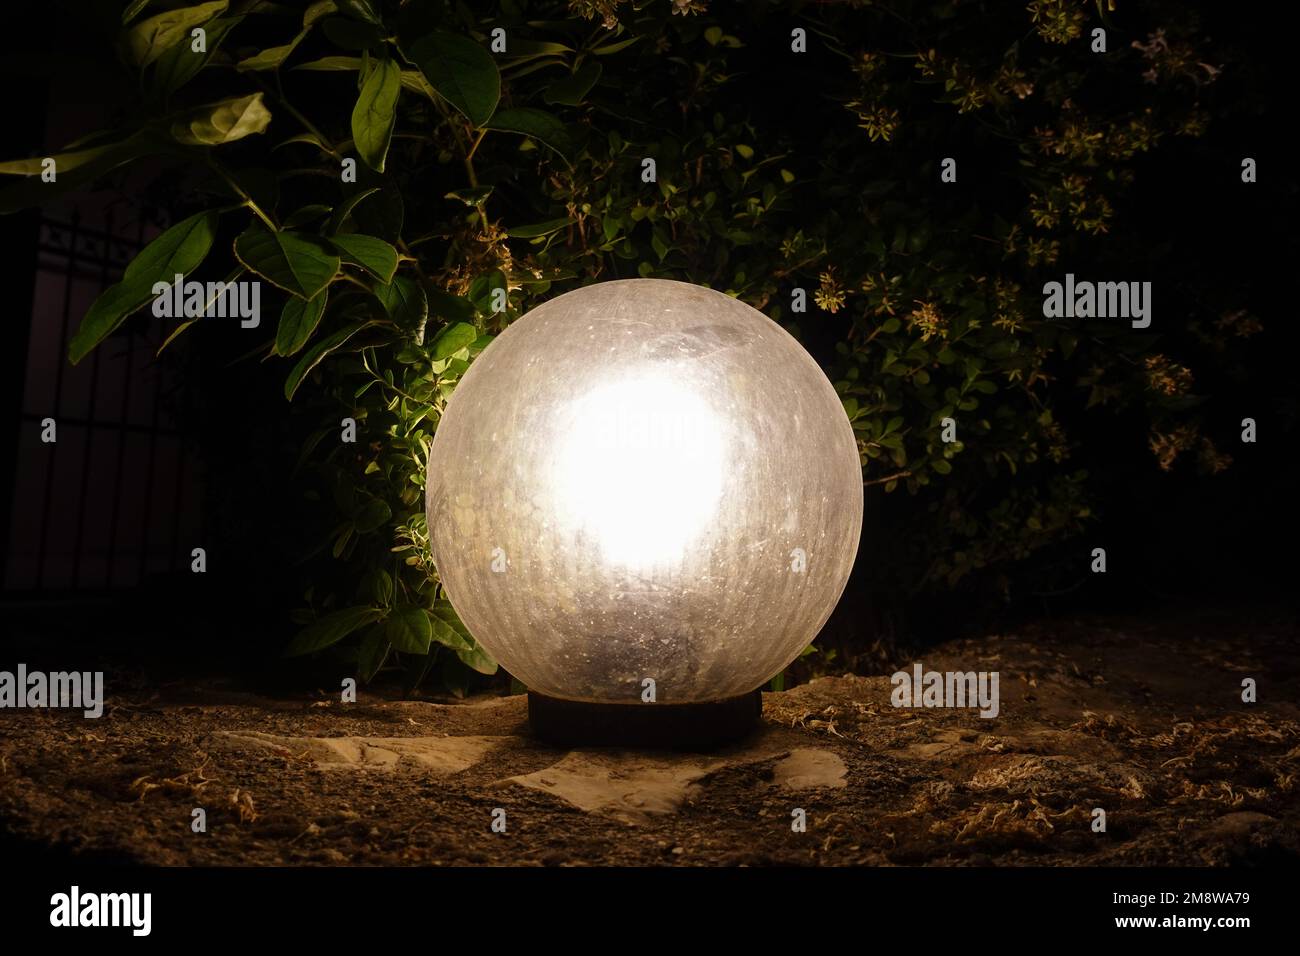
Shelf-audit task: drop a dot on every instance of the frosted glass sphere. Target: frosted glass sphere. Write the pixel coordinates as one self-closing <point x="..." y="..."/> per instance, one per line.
<point x="644" y="479"/>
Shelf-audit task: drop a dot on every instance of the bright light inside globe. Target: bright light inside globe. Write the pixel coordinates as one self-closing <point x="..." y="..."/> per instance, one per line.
<point x="638" y="469"/>
<point x="644" y="490"/>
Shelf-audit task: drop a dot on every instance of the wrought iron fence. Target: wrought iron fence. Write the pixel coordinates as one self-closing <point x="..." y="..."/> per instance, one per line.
<point x="113" y="499"/>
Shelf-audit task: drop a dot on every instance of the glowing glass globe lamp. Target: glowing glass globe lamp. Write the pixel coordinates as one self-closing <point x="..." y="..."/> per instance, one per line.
<point x="644" y="500"/>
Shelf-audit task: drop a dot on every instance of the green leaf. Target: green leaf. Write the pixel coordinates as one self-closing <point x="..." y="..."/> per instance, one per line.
<point x="321" y="8"/>
<point x="362" y="9"/>
<point x="516" y="71"/>
<point x="372" y="117"/>
<point x="482" y="288"/>
<point x="298" y="320"/>
<point x="306" y="214"/>
<point x="222" y="122"/>
<point x="372" y="653"/>
<point x="109" y="310"/>
<point x="376" y="586"/>
<point x="471" y="195"/>
<point x="180" y="64"/>
<point x="538" y="124"/>
<point x="299" y="264"/>
<point x="452" y="339"/>
<point x="63" y="162"/>
<point x="344" y="209"/>
<point x="132" y="10"/>
<point x="179" y="249"/>
<point x="271" y="57"/>
<point x="448" y="629"/>
<point x="408" y="629"/>
<point x="371" y="516"/>
<point x="313" y="356"/>
<point x="75" y="170"/>
<point x="571" y="90"/>
<point x="539" y="229"/>
<point x="381" y="214"/>
<point x="151" y="38"/>
<point x="660" y="247"/>
<point x="311" y="138"/>
<point x="478" y="659"/>
<point x="332" y="64"/>
<point x="404" y="301"/>
<point x="1069" y="341"/>
<point x="942" y="466"/>
<point x="175" y="333"/>
<point x="461" y="71"/>
<point x="342" y="541"/>
<point x="522" y="50"/>
<point x="331" y="629"/>
<point x="374" y="255"/>
<point x="609" y="48"/>
<point x="452" y="307"/>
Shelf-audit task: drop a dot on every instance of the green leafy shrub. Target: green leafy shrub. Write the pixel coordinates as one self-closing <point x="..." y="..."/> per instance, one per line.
<point x="779" y="176"/>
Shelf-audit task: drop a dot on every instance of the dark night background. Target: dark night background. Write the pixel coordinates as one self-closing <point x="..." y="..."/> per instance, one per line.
<point x="1174" y="541"/>
<point x="1120" y="693"/>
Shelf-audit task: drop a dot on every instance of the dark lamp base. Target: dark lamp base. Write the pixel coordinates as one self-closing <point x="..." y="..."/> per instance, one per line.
<point x="701" y="726"/>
